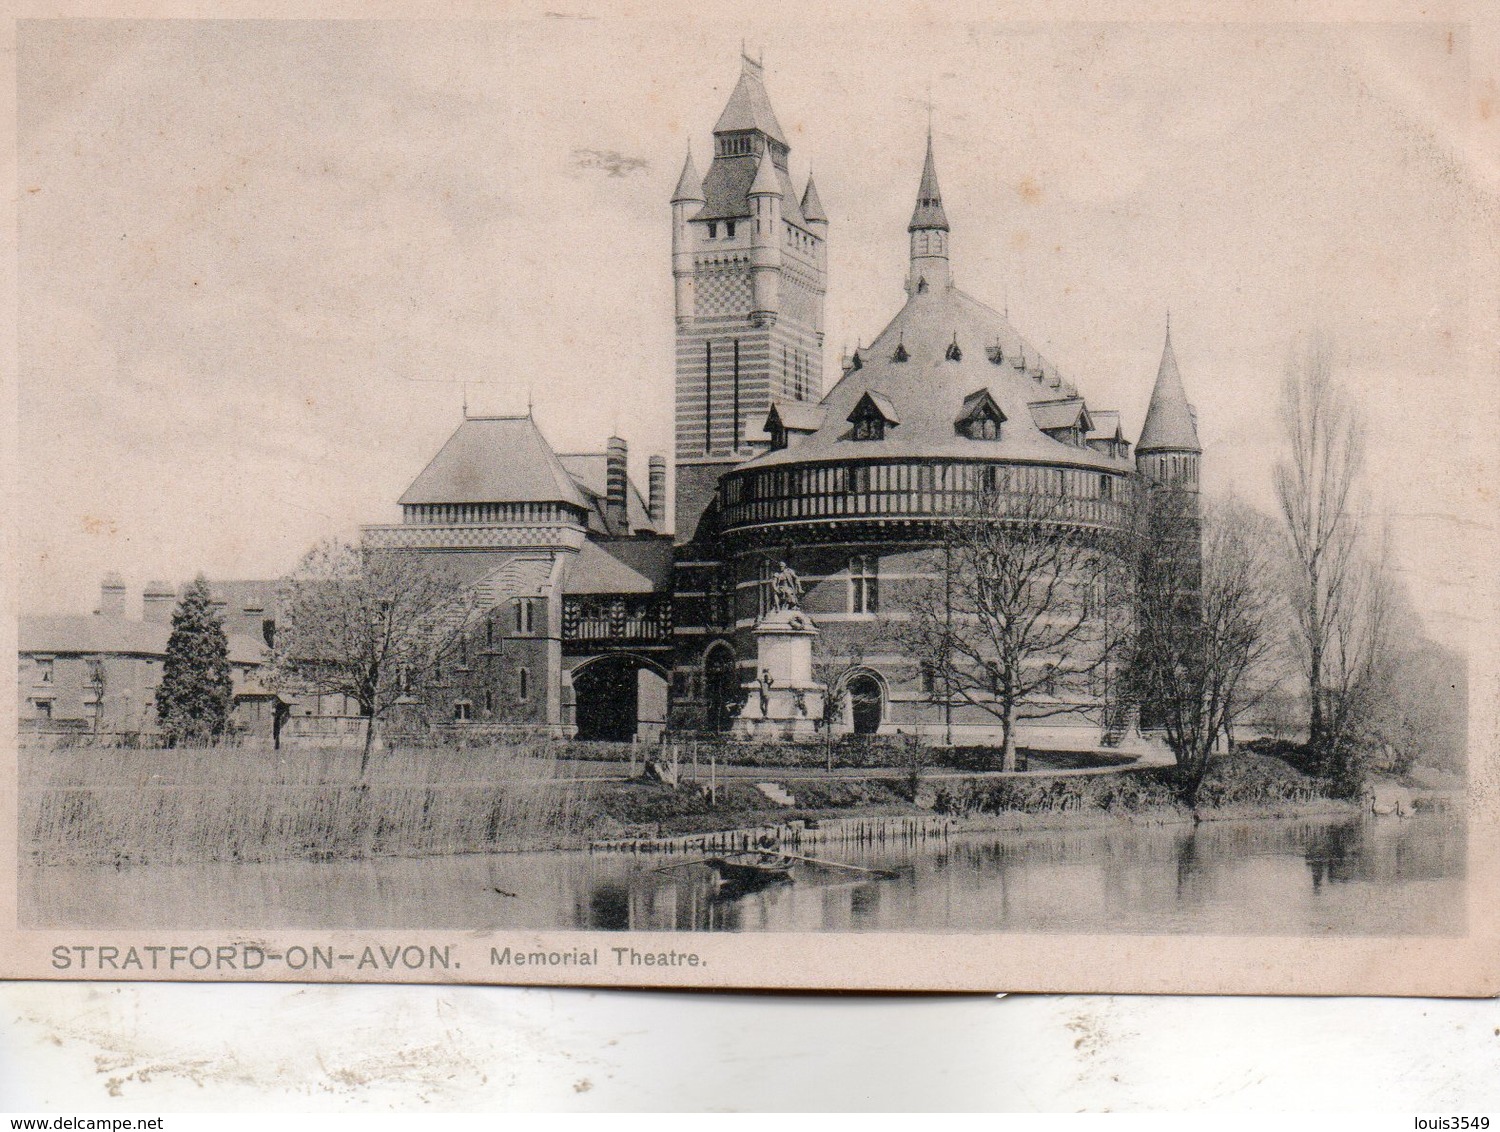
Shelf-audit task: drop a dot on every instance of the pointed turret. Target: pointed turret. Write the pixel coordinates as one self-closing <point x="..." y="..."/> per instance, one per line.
<point x="929" y="211"/>
<point x="687" y="198"/>
<point x="765" y="243"/>
<point x="766" y="182"/>
<point x="689" y="185"/>
<point x="929" y="235"/>
<point x="1169" y="426"/>
<point x="812" y="207"/>
<point x="1168" y="451"/>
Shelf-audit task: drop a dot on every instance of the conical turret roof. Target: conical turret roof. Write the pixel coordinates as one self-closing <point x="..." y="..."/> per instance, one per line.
<point x="689" y="185"/>
<point x="812" y="207"/>
<point x="1169" y="423"/>
<point x="929" y="211"/>
<point x="766" y="180"/>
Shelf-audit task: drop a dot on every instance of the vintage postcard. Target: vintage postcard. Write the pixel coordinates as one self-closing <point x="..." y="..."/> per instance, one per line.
<point x="851" y="500"/>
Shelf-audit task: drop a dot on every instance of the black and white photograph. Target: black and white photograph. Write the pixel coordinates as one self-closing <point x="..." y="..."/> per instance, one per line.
<point x="827" y="503"/>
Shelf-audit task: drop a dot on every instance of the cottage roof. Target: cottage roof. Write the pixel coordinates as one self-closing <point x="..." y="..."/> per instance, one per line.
<point x="495" y="460"/>
<point x="1169" y="426"/>
<point x="115" y="636"/>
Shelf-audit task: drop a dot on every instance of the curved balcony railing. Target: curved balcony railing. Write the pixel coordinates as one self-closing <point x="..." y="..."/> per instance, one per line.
<point x="923" y="490"/>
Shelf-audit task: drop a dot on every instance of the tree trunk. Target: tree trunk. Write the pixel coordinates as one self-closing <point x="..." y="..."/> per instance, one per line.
<point x="364" y="758"/>
<point x="1008" y="730"/>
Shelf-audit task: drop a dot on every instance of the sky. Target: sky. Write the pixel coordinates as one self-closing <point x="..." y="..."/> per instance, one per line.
<point x="259" y="260"/>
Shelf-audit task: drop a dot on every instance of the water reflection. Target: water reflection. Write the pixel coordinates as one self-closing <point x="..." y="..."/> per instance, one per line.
<point x="1354" y="875"/>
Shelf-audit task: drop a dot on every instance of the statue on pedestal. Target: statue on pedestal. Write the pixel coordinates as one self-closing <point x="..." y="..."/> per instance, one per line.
<point x="786" y="588"/>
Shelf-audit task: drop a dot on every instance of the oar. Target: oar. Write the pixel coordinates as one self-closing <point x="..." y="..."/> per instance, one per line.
<point x="839" y="865"/>
<point x="678" y="865"/>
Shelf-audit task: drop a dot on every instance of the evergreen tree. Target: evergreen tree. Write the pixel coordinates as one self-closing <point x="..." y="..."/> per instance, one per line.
<point x="195" y="694"/>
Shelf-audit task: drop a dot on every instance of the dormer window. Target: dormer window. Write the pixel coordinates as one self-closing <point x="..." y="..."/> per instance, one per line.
<point x="713" y="229"/>
<point x="996" y="355"/>
<point x="953" y="353"/>
<point x="729" y="229"/>
<point x="900" y="355"/>
<point x="922" y="285"/>
<point x="980" y="418"/>
<point x="872" y="416"/>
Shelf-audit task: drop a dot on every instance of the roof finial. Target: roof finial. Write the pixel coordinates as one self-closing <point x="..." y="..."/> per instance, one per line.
<point x="466" y="400"/>
<point x="528" y="401"/>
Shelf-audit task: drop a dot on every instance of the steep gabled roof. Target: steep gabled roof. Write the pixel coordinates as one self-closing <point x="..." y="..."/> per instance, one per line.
<point x="1068" y="412"/>
<point x="1169" y="426"/>
<point x="495" y="460"/>
<point x="1106" y="425"/>
<point x="796" y="416"/>
<point x="981" y="401"/>
<point x="748" y="107"/>
<point x="874" y="406"/>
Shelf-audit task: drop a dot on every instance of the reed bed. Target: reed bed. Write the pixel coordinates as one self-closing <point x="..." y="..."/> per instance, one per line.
<point x="191" y="806"/>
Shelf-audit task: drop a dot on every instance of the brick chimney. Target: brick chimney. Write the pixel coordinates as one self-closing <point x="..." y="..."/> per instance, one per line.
<point x="617" y="485"/>
<point x="157" y="602"/>
<point x="657" y="494"/>
<point x="112" y="596"/>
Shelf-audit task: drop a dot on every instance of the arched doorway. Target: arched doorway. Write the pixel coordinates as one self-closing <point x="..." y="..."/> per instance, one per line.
<point x="866" y="703"/>
<point x="607" y="697"/>
<point x="721" y="687"/>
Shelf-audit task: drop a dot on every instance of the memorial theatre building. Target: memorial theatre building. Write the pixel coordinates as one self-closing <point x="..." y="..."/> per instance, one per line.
<point x="620" y="627"/>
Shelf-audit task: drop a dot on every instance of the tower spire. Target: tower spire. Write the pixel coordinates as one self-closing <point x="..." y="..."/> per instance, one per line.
<point x="1169" y="426"/>
<point x="929" y="234"/>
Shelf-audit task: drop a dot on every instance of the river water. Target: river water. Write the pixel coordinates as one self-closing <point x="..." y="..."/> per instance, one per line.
<point x="1354" y="875"/>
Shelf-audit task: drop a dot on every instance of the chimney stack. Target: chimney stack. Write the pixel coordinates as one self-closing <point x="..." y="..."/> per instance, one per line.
<point x="657" y="494"/>
<point x="112" y="596"/>
<point x="617" y="485"/>
<point x="157" y="602"/>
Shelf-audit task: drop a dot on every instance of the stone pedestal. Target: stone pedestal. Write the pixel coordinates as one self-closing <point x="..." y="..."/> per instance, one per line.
<point x="784" y="702"/>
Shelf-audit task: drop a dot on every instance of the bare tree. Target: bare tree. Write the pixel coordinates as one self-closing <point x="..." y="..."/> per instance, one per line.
<point x="1203" y="615"/>
<point x="1316" y="485"/>
<point x="370" y="625"/>
<point x="1028" y="615"/>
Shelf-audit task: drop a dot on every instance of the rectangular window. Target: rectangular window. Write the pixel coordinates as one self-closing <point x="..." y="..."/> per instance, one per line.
<point x="713" y="230"/>
<point x="43" y="708"/>
<point x="864" y="584"/>
<point x="44" y="671"/>
<point x="523" y="684"/>
<point x="489" y="701"/>
<point x="463" y="711"/>
<point x="489" y="633"/>
<point x="729" y="229"/>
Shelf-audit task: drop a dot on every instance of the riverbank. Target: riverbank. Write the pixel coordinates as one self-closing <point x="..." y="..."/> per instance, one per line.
<point x="201" y="806"/>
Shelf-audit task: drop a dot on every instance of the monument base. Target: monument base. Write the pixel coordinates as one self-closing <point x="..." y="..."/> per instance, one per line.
<point x="783" y="702"/>
<point x="788" y="713"/>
